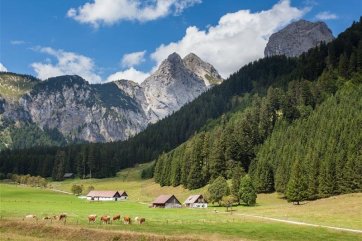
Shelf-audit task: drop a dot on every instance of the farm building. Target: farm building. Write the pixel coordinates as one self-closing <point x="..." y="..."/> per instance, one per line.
<point x="107" y="195"/>
<point x="68" y="175"/>
<point x="195" y="201"/>
<point x="166" y="201"/>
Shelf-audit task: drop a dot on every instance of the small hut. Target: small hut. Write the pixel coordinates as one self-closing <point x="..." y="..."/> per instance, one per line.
<point x="107" y="195"/>
<point x="195" y="201"/>
<point x="166" y="201"/>
<point x="68" y="175"/>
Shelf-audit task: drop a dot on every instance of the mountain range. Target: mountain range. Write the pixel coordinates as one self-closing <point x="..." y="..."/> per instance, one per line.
<point x="67" y="109"/>
<point x="103" y="112"/>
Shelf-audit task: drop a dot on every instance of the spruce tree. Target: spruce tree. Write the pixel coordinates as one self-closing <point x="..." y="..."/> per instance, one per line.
<point x="247" y="192"/>
<point x="297" y="185"/>
<point x="237" y="173"/>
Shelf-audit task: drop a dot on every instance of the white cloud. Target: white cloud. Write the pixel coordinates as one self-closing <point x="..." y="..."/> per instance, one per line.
<point x="3" y="68"/>
<point x="236" y="40"/>
<point x="112" y="11"/>
<point x="129" y="74"/>
<point x="67" y="63"/>
<point x="326" y="16"/>
<point x="17" y="42"/>
<point x="133" y="59"/>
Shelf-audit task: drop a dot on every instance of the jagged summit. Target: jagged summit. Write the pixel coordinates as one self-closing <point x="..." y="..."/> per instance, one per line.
<point x="202" y="69"/>
<point x="297" y="38"/>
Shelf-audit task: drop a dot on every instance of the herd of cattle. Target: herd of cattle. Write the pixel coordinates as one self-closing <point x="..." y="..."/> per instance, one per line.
<point x="105" y="219"/>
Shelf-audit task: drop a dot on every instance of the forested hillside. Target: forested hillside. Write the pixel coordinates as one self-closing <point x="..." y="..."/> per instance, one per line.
<point x="319" y="155"/>
<point x="256" y="99"/>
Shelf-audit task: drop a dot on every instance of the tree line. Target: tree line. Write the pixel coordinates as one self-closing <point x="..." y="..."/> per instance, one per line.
<point x="102" y="160"/>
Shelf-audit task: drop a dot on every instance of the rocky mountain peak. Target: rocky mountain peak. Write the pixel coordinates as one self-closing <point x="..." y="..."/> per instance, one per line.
<point x="297" y="38"/>
<point x="202" y="69"/>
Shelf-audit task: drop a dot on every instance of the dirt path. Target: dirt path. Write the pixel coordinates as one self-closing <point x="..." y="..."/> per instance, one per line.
<point x="300" y="223"/>
<point x="61" y="191"/>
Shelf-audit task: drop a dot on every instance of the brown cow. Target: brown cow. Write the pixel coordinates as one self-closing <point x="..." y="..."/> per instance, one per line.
<point x="140" y="220"/>
<point x="63" y="218"/>
<point x="127" y="220"/>
<point x="106" y="219"/>
<point x="92" y="218"/>
<point x="47" y="218"/>
<point x="116" y="217"/>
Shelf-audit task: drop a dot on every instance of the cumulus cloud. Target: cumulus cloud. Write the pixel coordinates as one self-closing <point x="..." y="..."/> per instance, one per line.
<point x="326" y="16"/>
<point x="112" y="11"/>
<point x="129" y="74"/>
<point x="237" y="39"/>
<point x="66" y="63"/>
<point x="3" y="68"/>
<point x="133" y="59"/>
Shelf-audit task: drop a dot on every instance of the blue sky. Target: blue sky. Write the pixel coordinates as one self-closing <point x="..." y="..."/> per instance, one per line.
<point x="109" y="39"/>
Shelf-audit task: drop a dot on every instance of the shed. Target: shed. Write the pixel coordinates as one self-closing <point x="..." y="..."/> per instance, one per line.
<point x="68" y="175"/>
<point x="166" y="201"/>
<point x="195" y="201"/>
<point x="107" y="195"/>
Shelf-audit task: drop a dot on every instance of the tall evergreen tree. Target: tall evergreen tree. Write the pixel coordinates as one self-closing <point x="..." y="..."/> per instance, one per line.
<point x="297" y="185"/>
<point x="247" y="192"/>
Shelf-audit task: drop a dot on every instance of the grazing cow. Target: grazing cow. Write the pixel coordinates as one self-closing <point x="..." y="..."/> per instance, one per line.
<point x="92" y="218"/>
<point x="63" y="218"/>
<point x="127" y="220"/>
<point x="140" y="220"/>
<point x="116" y="217"/>
<point x="106" y="219"/>
<point x="30" y="217"/>
<point x="47" y="218"/>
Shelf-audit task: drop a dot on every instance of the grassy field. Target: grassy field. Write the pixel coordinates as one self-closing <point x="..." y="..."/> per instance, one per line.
<point x="182" y="224"/>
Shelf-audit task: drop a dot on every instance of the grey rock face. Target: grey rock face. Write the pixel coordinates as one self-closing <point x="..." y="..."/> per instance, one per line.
<point x="105" y="112"/>
<point x="297" y="38"/>
<point x="170" y="87"/>
<point x="203" y="70"/>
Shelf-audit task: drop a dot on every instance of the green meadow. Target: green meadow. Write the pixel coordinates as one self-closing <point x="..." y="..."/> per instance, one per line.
<point x="197" y="224"/>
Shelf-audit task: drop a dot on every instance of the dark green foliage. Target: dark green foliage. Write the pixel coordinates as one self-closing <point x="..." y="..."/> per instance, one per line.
<point x="297" y="185"/>
<point x="247" y="192"/>
<point x="218" y="189"/>
<point x="59" y="166"/>
<point x="237" y="173"/>
<point x="323" y="147"/>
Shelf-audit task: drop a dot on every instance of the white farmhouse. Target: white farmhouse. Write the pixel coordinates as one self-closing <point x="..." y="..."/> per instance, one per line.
<point x="107" y="196"/>
<point x="195" y="201"/>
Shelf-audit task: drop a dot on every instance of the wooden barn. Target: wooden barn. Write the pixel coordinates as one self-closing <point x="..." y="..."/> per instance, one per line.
<point x="195" y="201"/>
<point x="107" y="195"/>
<point x="166" y="201"/>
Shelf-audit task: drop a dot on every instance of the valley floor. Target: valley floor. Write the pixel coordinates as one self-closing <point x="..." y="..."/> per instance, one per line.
<point x="244" y="223"/>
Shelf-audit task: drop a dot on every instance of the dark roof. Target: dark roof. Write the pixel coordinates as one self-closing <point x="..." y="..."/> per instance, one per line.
<point x="162" y="199"/>
<point x="193" y="198"/>
<point x="106" y="193"/>
<point x="69" y="174"/>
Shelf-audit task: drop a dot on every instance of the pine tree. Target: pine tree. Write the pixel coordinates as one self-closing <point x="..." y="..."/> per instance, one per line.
<point x="247" y="192"/>
<point x="297" y="185"/>
<point x="59" y="166"/>
<point x="343" y="65"/>
<point x="237" y="173"/>
<point x="217" y="159"/>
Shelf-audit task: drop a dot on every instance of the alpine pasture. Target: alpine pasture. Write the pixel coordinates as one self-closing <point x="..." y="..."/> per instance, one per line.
<point x="244" y="223"/>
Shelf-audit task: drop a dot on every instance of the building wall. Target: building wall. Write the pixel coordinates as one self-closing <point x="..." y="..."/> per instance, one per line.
<point x="107" y="198"/>
<point x="198" y="205"/>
